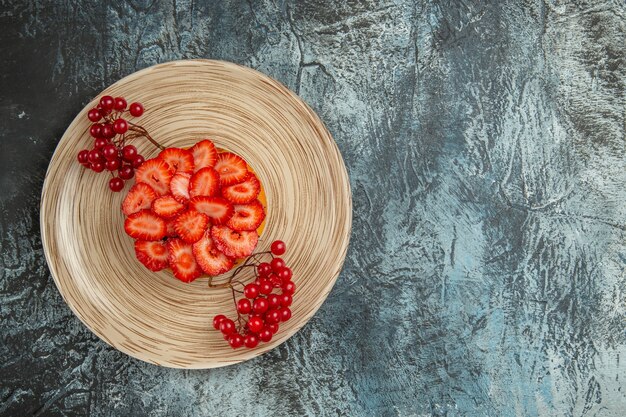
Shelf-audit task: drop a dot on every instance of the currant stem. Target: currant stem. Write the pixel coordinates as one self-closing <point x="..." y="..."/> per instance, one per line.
<point x="144" y="132"/>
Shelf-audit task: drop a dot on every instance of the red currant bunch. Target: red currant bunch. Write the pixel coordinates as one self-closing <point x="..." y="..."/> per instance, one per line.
<point x="265" y="302"/>
<point x="110" y="131"/>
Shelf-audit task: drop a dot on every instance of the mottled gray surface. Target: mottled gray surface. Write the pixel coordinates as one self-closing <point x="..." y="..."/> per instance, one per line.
<point x="486" y="150"/>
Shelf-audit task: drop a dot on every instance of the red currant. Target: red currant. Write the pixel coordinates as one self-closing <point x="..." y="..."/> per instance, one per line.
<point x="285" y="300"/>
<point x="278" y="247"/>
<point x="244" y="306"/>
<point x="265" y="335"/>
<point x="126" y="172"/>
<point x="251" y="291"/>
<point x="260" y="305"/>
<point x="95" y="156"/>
<point x="94" y="115"/>
<point x="264" y="269"/>
<point x="102" y="110"/>
<point x="272" y="328"/>
<point x="97" y="166"/>
<point x="235" y="340"/>
<point x="109" y="152"/>
<point x="277" y="264"/>
<point x="107" y="102"/>
<point x="116" y="184"/>
<point x="99" y="143"/>
<point x="95" y="130"/>
<point x="107" y="130"/>
<point x="285" y="313"/>
<point x="272" y="316"/>
<point x="227" y="326"/>
<point x="136" y="109"/>
<point x="120" y="104"/>
<point x="83" y="156"/>
<point x="265" y="286"/>
<point x="255" y="324"/>
<point x="285" y="274"/>
<point x="112" y="164"/>
<point x="217" y="320"/>
<point x="129" y="152"/>
<point x="273" y="300"/>
<point x="120" y="126"/>
<point x="250" y="341"/>
<point x="275" y="280"/>
<point x="289" y="287"/>
<point x="137" y="161"/>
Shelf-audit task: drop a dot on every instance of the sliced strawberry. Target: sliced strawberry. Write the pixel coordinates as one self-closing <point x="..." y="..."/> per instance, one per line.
<point x="180" y="160"/>
<point x="217" y="208"/>
<point x="211" y="260"/>
<point x="204" y="182"/>
<point x="247" y="216"/>
<point x="179" y="186"/>
<point x="170" y="230"/>
<point x="204" y="154"/>
<point x="156" y="173"/>
<point x="233" y="243"/>
<point x="181" y="260"/>
<point x="191" y="225"/>
<point x="152" y="254"/>
<point x="167" y="206"/>
<point x="244" y="192"/>
<point x="139" y="197"/>
<point x="145" y="225"/>
<point x="231" y="168"/>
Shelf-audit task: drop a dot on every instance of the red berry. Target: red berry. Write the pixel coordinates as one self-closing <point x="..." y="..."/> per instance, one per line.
<point x="95" y="130"/>
<point x="137" y="161"/>
<point x="107" y="130"/>
<point x="275" y="280"/>
<point x="255" y="324"/>
<point x="99" y="143"/>
<point x="251" y="291"/>
<point x="272" y="316"/>
<point x="277" y="264"/>
<point x="265" y="286"/>
<point x="272" y="328"/>
<point x="97" y="166"/>
<point x="94" y="115"/>
<point x="120" y="104"/>
<point x="227" y="326"/>
<point x="120" y="126"/>
<point x="264" y="269"/>
<point x="113" y="164"/>
<point x="265" y="335"/>
<point x="109" y="152"/>
<point x="274" y="300"/>
<point x="95" y="156"/>
<point x="83" y="156"/>
<point x="126" y="172"/>
<point x="260" y="305"/>
<point x="285" y="300"/>
<point x="235" y="341"/>
<point x="289" y="287"/>
<point x="116" y="184"/>
<point x="129" y="152"/>
<point x="244" y="306"/>
<point x="250" y="341"/>
<point x="107" y="102"/>
<point x="278" y="247"/>
<point x="217" y="320"/>
<point x="285" y="274"/>
<point x="136" y="109"/>
<point x="285" y="313"/>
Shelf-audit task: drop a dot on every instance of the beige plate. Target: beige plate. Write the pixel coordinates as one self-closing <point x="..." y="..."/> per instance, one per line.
<point x="153" y="316"/>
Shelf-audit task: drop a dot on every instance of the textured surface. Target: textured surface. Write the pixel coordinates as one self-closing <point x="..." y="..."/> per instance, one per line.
<point x="485" y="145"/>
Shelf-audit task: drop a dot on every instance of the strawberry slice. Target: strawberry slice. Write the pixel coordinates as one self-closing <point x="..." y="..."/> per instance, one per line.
<point x="231" y="168"/>
<point x="211" y="260"/>
<point x="204" y="182"/>
<point x="191" y="225"/>
<point x="157" y="174"/>
<point x="247" y="216"/>
<point x="181" y="260"/>
<point x="169" y="226"/>
<point x="153" y="255"/>
<point x="139" y="197"/>
<point x="217" y="208"/>
<point x="180" y="160"/>
<point x="179" y="186"/>
<point x="233" y="243"/>
<point x="167" y="206"/>
<point x="243" y="193"/>
<point x="204" y="154"/>
<point x="145" y="225"/>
